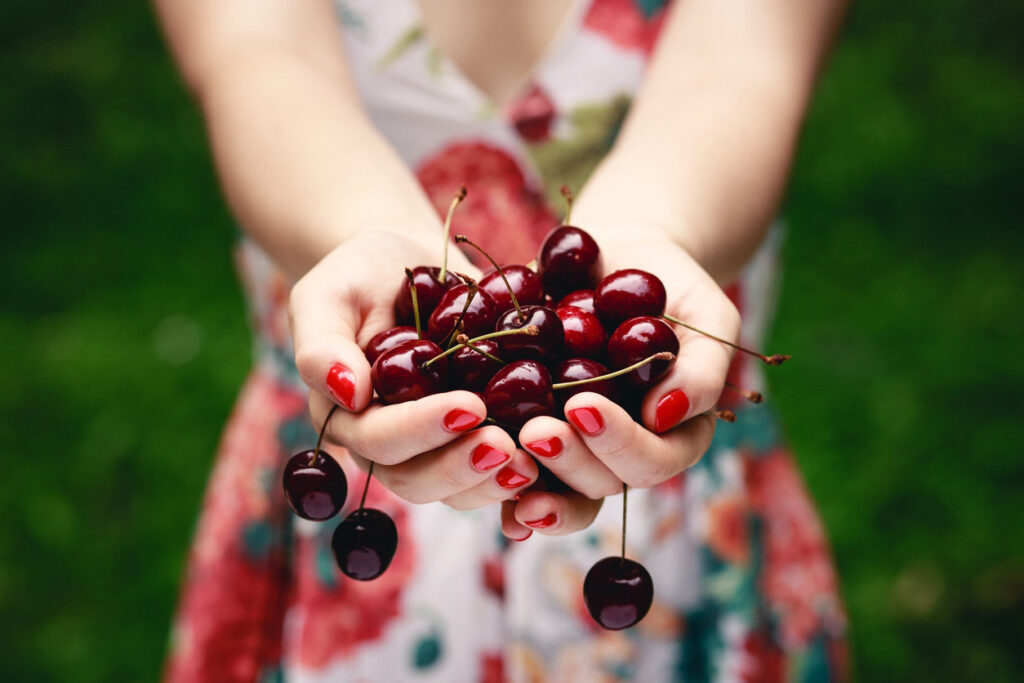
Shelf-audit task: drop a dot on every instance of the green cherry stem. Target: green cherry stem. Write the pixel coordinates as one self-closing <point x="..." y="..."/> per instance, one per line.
<point x="663" y="355"/>
<point x="470" y="293"/>
<point x="459" y="196"/>
<point x="460" y="239"/>
<point x="464" y="341"/>
<point x="567" y="193"/>
<point x="622" y="557"/>
<point x="366" y="486"/>
<point x="531" y="330"/>
<point x="320" y="438"/>
<point x="752" y="396"/>
<point x="415" y="303"/>
<point x="775" y="359"/>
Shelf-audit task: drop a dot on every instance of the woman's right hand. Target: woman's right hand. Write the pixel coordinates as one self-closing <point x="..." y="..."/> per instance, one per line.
<point x="421" y="449"/>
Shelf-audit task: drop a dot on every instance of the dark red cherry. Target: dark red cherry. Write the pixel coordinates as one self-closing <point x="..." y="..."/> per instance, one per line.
<point x="429" y="290"/>
<point x="545" y="345"/>
<point x="400" y="373"/>
<point x="524" y="282"/>
<point x="618" y="592"/>
<point x="471" y="369"/>
<point x="576" y="369"/>
<point x="315" y="487"/>
<point x="581" y="298"/>
<point x="569" y="259"/>
<point x="584" y="335"/>
<point x="519" y="392"/>
<point x="364" y="544"/>
<point x="636" y="339"/>
<point x="626" y="294"/>
<point x="479" y="318"/>
<point x="388" y="339"/>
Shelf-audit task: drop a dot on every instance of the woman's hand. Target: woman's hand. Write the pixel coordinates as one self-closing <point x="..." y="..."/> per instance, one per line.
<point x="600" y="447"/>
<point x="421" y="449"/>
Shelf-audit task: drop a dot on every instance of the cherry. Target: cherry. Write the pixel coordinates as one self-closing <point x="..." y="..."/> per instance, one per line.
<point x="519" y="392"/>
<point x="569" y="259"/>
<point x="476" y="313"/>
<point x="429" y="290"/>
<point x="472" y="367"/>
<point x="314" y="483"/>
<point x="365" y="542"/>
<point x="576" y="369"/>
<point x="618" y="592"/>
<point x="581" y="298"/>
<point x="409" y="371"/>
<point x="584" y="334"/>
<point x="523" y="281"/>
<point x="636" y="339"/>
<point x="626" y="294"/>
<point x="388" y="339"/>
<point x="546" y="344"/>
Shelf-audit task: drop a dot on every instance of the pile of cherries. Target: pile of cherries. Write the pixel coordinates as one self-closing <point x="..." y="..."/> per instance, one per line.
<point x="506" y="339"/>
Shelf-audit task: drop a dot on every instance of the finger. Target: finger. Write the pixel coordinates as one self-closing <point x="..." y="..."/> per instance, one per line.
<point x="516" y="475"/>
<point x="390" y="434"/>
<point x="511" y="528"/>
<point x="696" y="379"/>
<point x="556" y="514"/>
<point x="561" y="450"/>
<point x="635" y="455"/>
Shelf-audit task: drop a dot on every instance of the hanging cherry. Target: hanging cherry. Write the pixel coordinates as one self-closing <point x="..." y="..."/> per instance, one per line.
<point x="314" y="483"/>
<point x="365" y="542"/>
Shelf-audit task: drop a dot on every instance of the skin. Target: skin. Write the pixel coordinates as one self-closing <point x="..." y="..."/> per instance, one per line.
<point x="687" y="193"/>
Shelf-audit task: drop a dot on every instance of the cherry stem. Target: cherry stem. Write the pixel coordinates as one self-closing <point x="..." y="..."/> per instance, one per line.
<point x="623" y="555"/>
<point x="662" y="355"/>
<point x="320" y="438"/>
<point x="567" y="193"/>
<point x="366" y="486"/>
<point x="723" y="415"/>
<point x="752" y="396"/>
<point x="531" y="330"/>
<point x="459" y="196"/>
<point x="415" y="303"/>
<point x="775" y="359"/>
<point x="470" y="293"/>
<point x="459" y="239"/>
<point x="464" y="341"/>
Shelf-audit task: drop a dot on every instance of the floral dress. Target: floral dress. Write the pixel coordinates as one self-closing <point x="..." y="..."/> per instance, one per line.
<point x="745" y="589"/>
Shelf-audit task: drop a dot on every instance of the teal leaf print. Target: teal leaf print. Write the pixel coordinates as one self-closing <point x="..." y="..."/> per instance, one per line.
<point x="649" y="8"/>
<point x="428" y="651"/>
<point x="257" y="538"/>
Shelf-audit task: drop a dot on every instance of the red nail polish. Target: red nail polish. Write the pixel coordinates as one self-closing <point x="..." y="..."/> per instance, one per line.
<point x="508" y="478"/>
<point x="543" y="522"/>
<point x="460" y="420"/>
<point x="588" y="420"/>
<point x="546" y="448"/>
<point x="671" y="409"/>
<point x="520" y="540"/>
<point x="486" y="457"/>
<point x="342" y="384"/>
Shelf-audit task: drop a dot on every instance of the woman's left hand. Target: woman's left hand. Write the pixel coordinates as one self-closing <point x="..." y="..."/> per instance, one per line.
<point x="601" y="447"/>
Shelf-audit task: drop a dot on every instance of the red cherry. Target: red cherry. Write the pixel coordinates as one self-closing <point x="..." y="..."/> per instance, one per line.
<point x="626" y="294"/>
<point x="315" y="487"/>
<point x="364" y="544"/>
<point x="402" y="374"/>
<point x="519" y="392"/>
<point x="471" y="369"/>
<point x="584" y="335"/>
<point x="576" y="369"/>
<point x="569" y="259"/>
<point x="524" y="283"/>
<point x="542" y="346"/>
<point x="636" y="339"/>
<point x="581" y="298"/>
<point x="618" y="592"/>
<point x="429" y="290"/>
<point x="479" y="317"/>
<point x="388" y="339"/>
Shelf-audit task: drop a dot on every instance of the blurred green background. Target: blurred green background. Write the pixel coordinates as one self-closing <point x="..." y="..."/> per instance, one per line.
<point x="124" y="337"/>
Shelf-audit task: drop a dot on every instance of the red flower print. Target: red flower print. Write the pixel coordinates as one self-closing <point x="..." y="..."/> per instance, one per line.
<point x="492" y="668"/>
<point x="494" y="576"/>
<point x="728" y="519"/>
<point x="532" y="114"/>
<point x="763" y="662"/>
<point x="631" y="24"/>
<point x="502" y="213"/>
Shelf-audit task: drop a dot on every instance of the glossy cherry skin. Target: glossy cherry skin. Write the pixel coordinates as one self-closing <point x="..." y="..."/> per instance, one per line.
<point x="581" y="298"/>
<point x="569" y="259"/>
<point x="523" y="281"/>
<point x="399" y="375"/>
<point x="618" y="592"/>
<point x="364" y="544"/>
<point x="388" y="339"/>
<point x="472" y="370"/>
<point x="543" y="346"/>
<point x="429" y="290"/>
<point x="479" y="318"/>
<point x="315" y="488"/>
<point x="519" y="392"/>
<point x="585" y="336"/>
<point x="626" y="294"/>
<point x="582" y="368"/>
<point x="636" y="339"/>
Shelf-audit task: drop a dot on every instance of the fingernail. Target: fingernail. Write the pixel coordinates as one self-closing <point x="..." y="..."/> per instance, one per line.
<point x="587" y="419"/>
<point x="671" y="409"/>
<point x="460" y="420"/>
<point x="520" y="540"/>
<point x="342" y="384"/>
<point x="508" y="478"/>
<point x="547" y="448"/>
<point x="486" y="457"/>
<point x="543" y="522"/>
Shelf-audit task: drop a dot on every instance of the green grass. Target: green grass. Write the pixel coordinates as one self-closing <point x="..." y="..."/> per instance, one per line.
<point x="124" y="339"/>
